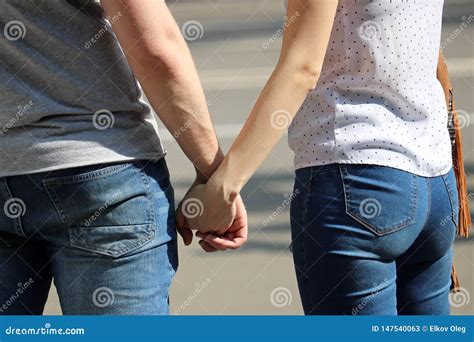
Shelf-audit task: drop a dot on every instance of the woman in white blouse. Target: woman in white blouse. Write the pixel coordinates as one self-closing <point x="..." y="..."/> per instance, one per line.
<point x="375" y="205"/>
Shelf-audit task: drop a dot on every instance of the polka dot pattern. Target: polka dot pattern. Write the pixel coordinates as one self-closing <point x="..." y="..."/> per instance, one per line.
<point x="378" y="100"/>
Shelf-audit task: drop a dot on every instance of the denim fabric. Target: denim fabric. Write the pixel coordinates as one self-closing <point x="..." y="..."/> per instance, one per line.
<point x="373" y="240"/>
<point x="105" y="234"/>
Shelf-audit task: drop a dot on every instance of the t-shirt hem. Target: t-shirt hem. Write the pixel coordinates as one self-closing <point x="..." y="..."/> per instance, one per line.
<point x="85" y="162"/>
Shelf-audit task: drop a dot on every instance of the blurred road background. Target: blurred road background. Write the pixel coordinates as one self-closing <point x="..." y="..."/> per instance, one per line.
<point x="234" y="57"/>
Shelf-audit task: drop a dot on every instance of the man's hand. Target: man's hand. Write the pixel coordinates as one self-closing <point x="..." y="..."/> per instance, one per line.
<point x="235" y="236"/>
<point x="220" y="224"/>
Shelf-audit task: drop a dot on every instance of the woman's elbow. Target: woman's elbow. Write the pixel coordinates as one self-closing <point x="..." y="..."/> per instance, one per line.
<point x="310" y="74"/>
<point x="303" y="75"/>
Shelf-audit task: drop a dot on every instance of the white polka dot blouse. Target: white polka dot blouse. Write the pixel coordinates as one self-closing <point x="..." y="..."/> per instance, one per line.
<point x="378" y="100"/>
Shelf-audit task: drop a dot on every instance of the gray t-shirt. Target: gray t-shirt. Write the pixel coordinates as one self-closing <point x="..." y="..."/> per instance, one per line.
<point x="67" y="95"/>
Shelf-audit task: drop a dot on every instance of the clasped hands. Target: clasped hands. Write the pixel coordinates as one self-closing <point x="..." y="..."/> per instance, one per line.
<point x="220" y="222"/>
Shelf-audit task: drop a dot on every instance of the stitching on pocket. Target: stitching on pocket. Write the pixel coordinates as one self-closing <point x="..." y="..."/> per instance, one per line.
<point x="151" y="210"/>
<point x="92" y="175"/>
<point x="53" y="196"/>
<point x="76" y="232"/>
<point x="378" y="231"/>
<point x="451" y="198"/>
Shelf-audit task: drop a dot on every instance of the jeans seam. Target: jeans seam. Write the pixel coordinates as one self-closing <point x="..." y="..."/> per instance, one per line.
<point x="53" y="196"/>
<point x="17" y="220"/>
<point x="151" y="210"/>
<point x="451" y="201"/>
<point x="304" y="218"/>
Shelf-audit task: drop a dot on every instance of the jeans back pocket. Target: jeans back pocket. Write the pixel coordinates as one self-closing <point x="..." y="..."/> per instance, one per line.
<point x="382" y="199"/>
<point x="107" y="210"/>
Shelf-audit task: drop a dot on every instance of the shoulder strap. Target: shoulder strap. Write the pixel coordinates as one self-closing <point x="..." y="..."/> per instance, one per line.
<point x="458" y="162"/>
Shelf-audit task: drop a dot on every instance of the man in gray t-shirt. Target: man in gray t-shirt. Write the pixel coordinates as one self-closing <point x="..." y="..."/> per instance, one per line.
<point x="83" y="182"/>
<point x="68" y="95"/>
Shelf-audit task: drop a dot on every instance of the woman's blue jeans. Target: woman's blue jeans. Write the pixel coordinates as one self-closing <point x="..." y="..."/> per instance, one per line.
<point x="373" y="240"/>
<point x="105" y="234"/>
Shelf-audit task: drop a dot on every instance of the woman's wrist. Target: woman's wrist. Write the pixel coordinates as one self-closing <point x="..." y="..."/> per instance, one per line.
<point x="225" y="182"/>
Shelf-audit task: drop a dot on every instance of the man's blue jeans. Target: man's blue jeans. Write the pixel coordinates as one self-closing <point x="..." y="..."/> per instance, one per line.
<point x="105" y="234"/>
<point x="373" y="240"/>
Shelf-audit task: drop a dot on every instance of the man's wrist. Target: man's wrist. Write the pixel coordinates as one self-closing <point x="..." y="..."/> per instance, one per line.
<point x="206" y="167"/>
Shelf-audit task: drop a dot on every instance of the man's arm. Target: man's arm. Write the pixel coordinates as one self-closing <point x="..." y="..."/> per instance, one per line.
<point x="161" y="61"/>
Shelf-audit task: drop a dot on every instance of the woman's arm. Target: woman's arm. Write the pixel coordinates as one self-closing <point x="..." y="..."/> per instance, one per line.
<point x="304" y="47"/>
<point x="305" y="41"/>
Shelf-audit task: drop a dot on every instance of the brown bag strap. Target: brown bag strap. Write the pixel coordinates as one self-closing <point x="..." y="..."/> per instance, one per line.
<point x="458" y="162"/>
